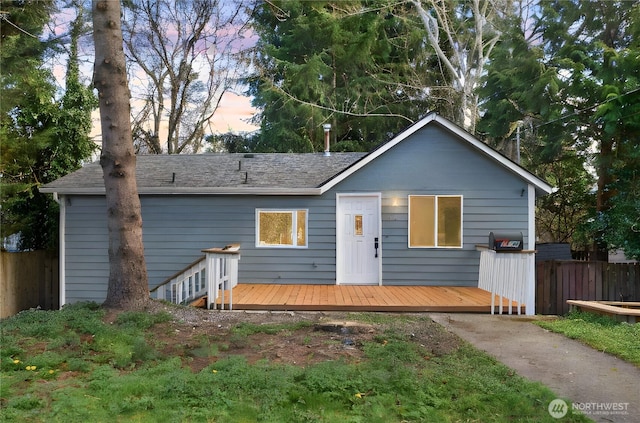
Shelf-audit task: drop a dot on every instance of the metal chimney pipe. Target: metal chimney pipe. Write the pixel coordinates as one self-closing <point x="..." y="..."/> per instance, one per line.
<point x="327" y="135"/>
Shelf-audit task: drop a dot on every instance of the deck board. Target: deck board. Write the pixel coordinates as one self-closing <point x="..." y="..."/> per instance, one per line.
<point x="362" y="298"/>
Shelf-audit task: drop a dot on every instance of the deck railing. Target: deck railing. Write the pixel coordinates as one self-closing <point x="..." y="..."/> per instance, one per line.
<point x="508" y="275"/>
<point x="222" y="275"/>
<point x="210" y="275"/>
<point x="188" y="284"/>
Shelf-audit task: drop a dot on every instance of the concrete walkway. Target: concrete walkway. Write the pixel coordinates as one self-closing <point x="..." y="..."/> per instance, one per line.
<point x="586" y="378"/>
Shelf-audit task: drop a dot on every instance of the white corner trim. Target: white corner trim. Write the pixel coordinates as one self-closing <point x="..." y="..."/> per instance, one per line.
<point x="530" y="305"/>
<point x="531" y="219"/>
<point x="61" y="200"/>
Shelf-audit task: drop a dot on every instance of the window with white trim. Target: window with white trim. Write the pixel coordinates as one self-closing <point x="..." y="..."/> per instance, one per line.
<point x="435" y="221"/>
<point x="281" y="228"/>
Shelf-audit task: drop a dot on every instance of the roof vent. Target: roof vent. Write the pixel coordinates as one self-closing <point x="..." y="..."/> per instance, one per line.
<point x="248" y="156"/>
<point x="327" y="135"/>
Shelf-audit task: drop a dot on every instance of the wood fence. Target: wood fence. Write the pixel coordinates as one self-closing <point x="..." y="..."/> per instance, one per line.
<point x="28" y="280"/>
<point x="559" y="281"/>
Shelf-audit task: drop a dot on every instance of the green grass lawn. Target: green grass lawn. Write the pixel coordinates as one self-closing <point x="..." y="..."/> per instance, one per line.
<point x="74" y="366"/>
<point x="600" y="332"/>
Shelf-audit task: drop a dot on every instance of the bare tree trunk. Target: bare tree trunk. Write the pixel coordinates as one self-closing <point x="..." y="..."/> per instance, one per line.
<point x="128" y="283"/>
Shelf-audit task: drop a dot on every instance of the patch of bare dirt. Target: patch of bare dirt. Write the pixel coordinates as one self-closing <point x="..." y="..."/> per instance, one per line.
<point x="202" y="337"/>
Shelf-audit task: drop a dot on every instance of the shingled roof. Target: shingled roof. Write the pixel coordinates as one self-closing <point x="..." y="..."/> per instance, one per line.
<point x="273" y="173"/>
<point x="266" y="174"/>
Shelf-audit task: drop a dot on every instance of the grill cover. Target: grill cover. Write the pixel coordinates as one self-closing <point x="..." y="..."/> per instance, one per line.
<point x="505" y="242"/>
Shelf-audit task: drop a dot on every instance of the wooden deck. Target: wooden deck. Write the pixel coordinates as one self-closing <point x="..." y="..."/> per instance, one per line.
<point x="362" y="298"/>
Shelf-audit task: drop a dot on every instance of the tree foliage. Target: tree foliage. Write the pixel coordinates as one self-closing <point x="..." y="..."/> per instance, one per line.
<point x="351" y="64"/>
<point x="42" y="137"/>
<point x="230" y="143"/>
<point x="568" y="84"/>
<point x="619" y="118"/>
<point x="594" y="47"/>
<point x="368" y="67"/>
<point x="521" y="116"/>
<point x="78" y="102"/>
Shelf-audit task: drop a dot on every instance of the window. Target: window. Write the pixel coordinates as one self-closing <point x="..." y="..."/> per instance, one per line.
<point x="435" y="221"/>
<point x="358" y="229"/>
<point x="281" y="228"/>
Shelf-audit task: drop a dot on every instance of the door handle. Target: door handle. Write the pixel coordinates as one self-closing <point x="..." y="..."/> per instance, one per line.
<point x="376" y="244"/>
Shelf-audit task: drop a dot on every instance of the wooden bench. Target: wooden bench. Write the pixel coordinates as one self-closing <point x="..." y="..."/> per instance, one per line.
<point x="620" y="310"/>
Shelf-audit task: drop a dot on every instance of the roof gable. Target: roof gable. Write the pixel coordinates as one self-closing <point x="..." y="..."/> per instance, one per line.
<point x="265" y="174"/>
<point x="541" y="186"/>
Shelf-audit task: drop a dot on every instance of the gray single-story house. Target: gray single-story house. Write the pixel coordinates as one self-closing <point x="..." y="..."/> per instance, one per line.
<point x="411" y="212"/>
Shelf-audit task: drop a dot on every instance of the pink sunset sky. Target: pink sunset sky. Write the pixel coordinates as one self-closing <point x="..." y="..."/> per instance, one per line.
<point x="233" y="114"/>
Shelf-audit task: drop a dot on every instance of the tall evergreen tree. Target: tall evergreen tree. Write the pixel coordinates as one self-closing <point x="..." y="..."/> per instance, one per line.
<point x="27" y="112"/>
<point x="350" y="64"/>
<point x="572" y="90"/>
<point x="588" y="42"/>
<point x="73" y="126"/>
<point x="128" y="281"/>
<point x="42" y="138"/>
<point x="619" y="117"/>
<point x="522" y="110"/>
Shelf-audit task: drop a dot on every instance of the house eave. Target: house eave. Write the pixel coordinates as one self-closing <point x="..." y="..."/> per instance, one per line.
<point x="191" y="191"/>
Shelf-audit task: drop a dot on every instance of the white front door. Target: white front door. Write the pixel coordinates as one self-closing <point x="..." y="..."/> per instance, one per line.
<point x="358" y="246"/>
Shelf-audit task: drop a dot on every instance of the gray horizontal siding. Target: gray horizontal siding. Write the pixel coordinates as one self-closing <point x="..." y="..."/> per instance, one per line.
<point x="214" y="221"/>
<point x="434" y="163"/>
<point x="176" y="228"/>
<point x="86" y="255"/>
